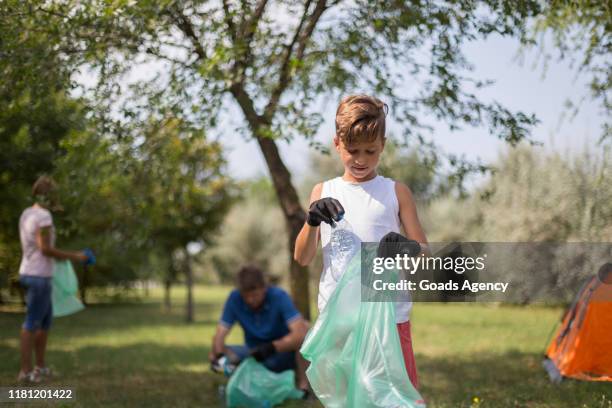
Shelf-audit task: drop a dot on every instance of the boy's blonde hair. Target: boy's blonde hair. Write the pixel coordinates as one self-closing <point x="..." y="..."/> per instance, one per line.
<point x="360" y="118"/>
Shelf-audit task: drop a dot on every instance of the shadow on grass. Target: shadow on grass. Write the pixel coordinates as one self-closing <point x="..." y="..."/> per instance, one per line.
<point x="151" y="374"/>
<point x="104" y="317"/>
<point x="146" y="369"/>
<point x="138" y="375"/>
<point x="512" y="379"/>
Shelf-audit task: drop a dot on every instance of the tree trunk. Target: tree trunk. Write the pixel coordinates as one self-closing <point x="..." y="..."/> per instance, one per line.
<point x="285" y="192"/>
<point x="294" y="220"/>
<point x="167" y="287"/>
<point x="189" y="281"/>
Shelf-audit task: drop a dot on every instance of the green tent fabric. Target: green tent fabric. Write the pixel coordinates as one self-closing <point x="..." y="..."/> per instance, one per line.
<point x="65" y="289"/>
<point x="354" y="350"/>
<point x="254" y="386"/>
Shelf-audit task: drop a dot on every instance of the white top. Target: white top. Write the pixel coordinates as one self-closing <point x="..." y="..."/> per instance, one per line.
<point x="33" y="262"/>
<point x="372" y="210"/>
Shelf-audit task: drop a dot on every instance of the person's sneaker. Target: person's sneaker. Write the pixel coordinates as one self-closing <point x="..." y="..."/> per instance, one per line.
<point x="43" y="372"/>
<point x="32" y="377"/>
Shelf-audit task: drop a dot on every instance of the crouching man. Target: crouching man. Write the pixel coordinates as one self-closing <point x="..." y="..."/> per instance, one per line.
<point x="273" y="328"/>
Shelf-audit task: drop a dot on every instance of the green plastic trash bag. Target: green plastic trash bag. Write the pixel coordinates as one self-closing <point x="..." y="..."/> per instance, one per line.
<point x="65" y="289"/>
<point x="254" y="386"/>
<point x="354" y="351"/>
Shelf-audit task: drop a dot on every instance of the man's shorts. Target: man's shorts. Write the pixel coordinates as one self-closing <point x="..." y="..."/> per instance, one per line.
<point x="38" y="299"/>
<point x="277" y="362"/>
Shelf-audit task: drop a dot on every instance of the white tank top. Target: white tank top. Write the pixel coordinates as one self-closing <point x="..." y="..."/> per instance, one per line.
<point x="372" y="210"/>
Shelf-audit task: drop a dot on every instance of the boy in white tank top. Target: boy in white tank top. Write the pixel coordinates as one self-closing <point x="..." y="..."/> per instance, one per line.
<point x="376" y="207"/>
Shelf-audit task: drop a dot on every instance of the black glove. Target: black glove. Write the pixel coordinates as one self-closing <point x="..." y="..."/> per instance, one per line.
<point x="263" y="351"/>
<point x="325" y="210"/>
<point x="393" y="243"/>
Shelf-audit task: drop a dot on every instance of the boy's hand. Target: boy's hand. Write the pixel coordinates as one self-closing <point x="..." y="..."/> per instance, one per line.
<point x="325" y="210"/>
<point x="393" y="243"/>
<point x="263" y="351"/>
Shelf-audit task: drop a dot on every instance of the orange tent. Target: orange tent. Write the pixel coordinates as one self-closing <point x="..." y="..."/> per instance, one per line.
<point x="582" y="346"/>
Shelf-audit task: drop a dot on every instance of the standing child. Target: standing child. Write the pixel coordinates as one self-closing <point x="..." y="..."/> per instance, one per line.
<point x="376" y="207"/>
<point x="37" y="235"/>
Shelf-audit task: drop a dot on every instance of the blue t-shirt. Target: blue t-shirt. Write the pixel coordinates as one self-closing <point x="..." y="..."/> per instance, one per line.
<point x="270" y="322"/>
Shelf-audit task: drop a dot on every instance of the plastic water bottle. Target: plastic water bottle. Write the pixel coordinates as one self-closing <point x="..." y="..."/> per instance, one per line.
<point x="224" y="365"/>
<point x="228" y="367"/>
<point x="344" y="245"/>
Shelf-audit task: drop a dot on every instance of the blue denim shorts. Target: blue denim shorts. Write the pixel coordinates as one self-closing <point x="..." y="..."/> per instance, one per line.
<point x="278" y="362"/>
<point x="38" y="299"/>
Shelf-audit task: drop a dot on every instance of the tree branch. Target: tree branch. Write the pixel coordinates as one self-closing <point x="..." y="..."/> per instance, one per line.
<point x="251" y="24"/>
<point x="312" y="23"/>
<point x="155" y="53"/>
<point x="227" y="17"/>
<point x="51" y="12"/>
<point x="281" y="176"/>
<point x="186" y="26"/>
<point x="248" y="107"/>
<point x="301" y="39"/>
<point x="247" y="31"/>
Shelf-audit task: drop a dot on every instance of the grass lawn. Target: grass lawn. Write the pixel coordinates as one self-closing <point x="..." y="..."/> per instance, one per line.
<point x="136" y="354"/>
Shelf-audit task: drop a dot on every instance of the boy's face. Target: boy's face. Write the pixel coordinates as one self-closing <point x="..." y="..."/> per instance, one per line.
<point x="360" y="159"/>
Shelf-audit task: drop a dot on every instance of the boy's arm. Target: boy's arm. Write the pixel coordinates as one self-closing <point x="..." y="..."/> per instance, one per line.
<point x="408" y="214"/>
<point x="308" y="238"/>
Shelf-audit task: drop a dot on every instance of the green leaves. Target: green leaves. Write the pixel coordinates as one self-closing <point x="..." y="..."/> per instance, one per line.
<point x="155" y="190"/>
<point x="582" y="34"/>
<point x="283" y="57"/>
<point x="166" y="71"/>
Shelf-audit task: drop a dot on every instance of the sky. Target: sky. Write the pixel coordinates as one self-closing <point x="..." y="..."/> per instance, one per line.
<point x="520" y="84"/>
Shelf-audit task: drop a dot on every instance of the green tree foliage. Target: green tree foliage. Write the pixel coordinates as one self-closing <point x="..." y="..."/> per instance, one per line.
<point x="273" y="59"/>
<point x="532" y="196"/>
<point x="150" y="183"/>
<point x="152" y="192"/>
<point x="35" y="115"/>
<point x="537" y="196"/>
<point x="31" y="130"/>
<point x="582" y="32"/>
